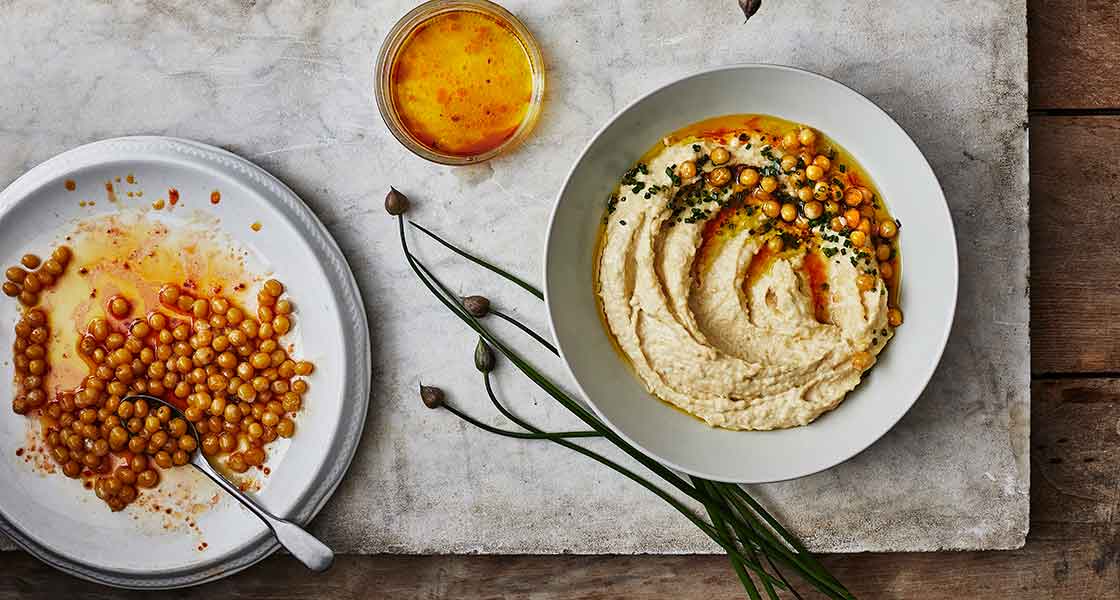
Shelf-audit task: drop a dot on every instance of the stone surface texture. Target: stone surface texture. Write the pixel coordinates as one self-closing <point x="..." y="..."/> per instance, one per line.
<point x="289" y="85"/>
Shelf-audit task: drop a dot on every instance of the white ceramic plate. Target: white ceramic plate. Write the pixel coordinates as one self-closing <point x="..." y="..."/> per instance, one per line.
<point x="67" y="526"/>
<point x="929" y="282"/>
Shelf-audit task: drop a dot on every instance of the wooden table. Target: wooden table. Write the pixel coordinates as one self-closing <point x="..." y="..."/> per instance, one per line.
<point x="1073" y="550"/>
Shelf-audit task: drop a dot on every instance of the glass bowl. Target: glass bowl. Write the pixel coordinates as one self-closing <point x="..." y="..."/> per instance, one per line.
<point x="395" y="40"/>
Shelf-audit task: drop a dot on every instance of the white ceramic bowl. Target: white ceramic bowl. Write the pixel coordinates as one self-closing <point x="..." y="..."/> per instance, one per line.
<point x="929" y="283"/>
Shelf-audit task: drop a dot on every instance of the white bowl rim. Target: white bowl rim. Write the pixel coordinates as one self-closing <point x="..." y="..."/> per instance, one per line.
<point x="941" y="343"/>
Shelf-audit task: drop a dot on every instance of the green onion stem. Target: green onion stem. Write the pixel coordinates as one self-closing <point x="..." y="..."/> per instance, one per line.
<point x="478" y="261"/>
<point x="526" y="329"/>
<point x="536" y="435"/>
<point x="525" y="424"/>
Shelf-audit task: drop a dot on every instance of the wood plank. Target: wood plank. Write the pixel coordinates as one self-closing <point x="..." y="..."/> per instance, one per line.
<point x="1075" y="209"/>
<point x="1072" y="551"/>
<point x="1058" y="563"/>
<point x="1072" y="51"/>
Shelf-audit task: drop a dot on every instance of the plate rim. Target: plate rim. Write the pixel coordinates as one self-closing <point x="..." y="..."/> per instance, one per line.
<point x="943" y="205"/>
<point x="328" y="253"/>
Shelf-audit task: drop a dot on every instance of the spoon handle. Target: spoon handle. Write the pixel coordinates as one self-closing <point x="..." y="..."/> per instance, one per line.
<point x="314" y="554"/>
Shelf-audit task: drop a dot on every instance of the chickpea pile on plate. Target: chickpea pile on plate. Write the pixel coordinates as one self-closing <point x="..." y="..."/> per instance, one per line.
<point x="224" y="368"/>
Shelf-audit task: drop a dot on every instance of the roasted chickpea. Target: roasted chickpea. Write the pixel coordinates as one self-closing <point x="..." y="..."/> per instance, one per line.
<point x="823" y="162"/>
<point x="30" y="261"/>
<point x="11" y="290"/>
<point x="894" y="317"/>
<point x="15" y="274"/>
<point x="119" y="307"/>
<point x="852" y="218"/>
<point x="286" y="428"/>
<point x="273" y="288"/>
<point x="789" y="213"/>
<point x="853" y="197"/>
<point x="769" y="183"/>
<point x="806" y="136"/>
<point x="284" y="307"/>
<point x="789" y="163"/>
<point x="686" y="170"/>
<point x="748" y="177"/>
<point x="814" y="173"/>
<point x="886" y="271"/>
<point x="836" y="224"/>
<point x="148" y="478"/>
<point x="770" y="208"/>
<point x="858" y="238"/>
<point x="883" y="252"/>
<point x="719" y="177"/>
<point x="790" y="141"/>
<point x="236" y="463"/>
<point x="888" y="229"/>
<point x="719" y="156"/>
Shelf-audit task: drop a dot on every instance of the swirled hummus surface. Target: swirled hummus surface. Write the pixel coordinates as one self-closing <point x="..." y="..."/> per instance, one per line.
<point x="747" y="270"/>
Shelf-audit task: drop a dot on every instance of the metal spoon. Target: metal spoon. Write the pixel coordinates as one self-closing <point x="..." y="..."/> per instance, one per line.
<point x="315" y="555"/>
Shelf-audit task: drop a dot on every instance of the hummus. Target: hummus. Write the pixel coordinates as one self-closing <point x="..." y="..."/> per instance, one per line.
<point x="748" y="272"/>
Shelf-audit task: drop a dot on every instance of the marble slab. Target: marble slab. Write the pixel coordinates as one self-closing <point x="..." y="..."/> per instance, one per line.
<point x="289" y="84"/>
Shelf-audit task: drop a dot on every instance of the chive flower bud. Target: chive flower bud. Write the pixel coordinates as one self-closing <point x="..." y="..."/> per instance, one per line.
<point x="396" y="203"/>
<point x="432" y="396"/>
<point x="478" y="306"/>
<point x="483" y="357"/>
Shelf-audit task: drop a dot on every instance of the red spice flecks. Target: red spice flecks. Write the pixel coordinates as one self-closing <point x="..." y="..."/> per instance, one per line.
<point x="215" y="197"/>
<point x="173" y="196"/>
<point x="19" y="451"/>
<point x="71" y="185"/>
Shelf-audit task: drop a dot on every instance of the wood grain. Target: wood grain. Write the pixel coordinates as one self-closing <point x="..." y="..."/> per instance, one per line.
<point x="1072" y="551"/>
<point x="1072" y="52"/>
<point x="1075" y="270"/>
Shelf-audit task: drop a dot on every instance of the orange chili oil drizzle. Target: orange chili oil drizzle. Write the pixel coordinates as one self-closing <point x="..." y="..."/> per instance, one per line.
<point x="462" y="83"/>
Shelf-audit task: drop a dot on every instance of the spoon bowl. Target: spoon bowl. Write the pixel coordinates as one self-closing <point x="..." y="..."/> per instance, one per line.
<point x="314" y="554"/>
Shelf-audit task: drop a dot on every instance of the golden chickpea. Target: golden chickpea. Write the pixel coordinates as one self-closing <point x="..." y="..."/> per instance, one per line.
<point x="883" y="252"/>
<point x="861" y="361"/>
<point x="789" y="163"/>
<point x="236" y="463"/>
<point x="284" y="307"/>
<point x="286" y="428"/>
<point x="836" y="224"/>
<point x="235" y="316"/>
<point x="188" y="443"/>
<point x="200" y="309"/>
<point x="789" y="212"/>
<point x="719" y="156"/>
<point x="820" y="191"/>
<point x="894" y="317"/>
<point x="853" y="197"/>
<point x="291" y="402"/>
<point x="169" y="294"/>
<point x="888" y="229"/>
<point x="865" y="226"/>
<point x="805" y="194"/>
<point x="227" y="442"/>
<point x="806" y="136"/>
<point x="232" y="413"/>
<point x="273" y="287"/>
<point x="823" y="162"/>
<point x="12" y="290"/>
<point x="858" y="238"/>
<point x="886" y="271"/>
<point x="30" y="261"/>
<point x="119" y="307"/>
<point x="775" y="244"/>
<point x="771" y="208"/>
<point x="31" y="283"/>
<point x="250" y="328"/>
<point x="28" y="298"/>
<point x="769" y="184"/>
<point x="814" y="173"/>
<point x="265" y="313"/>
<point x="15" y="274"/>
<point x="790" y="141"/>
<point x="265" y="331"/>
<point x="852" y="218"/>
<point x="62" y="254"/>
<point x="719" y="177"/>
<point x="748" y="177"/>
<point x="246" y="392"/>
<point x="813" y="210"/>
